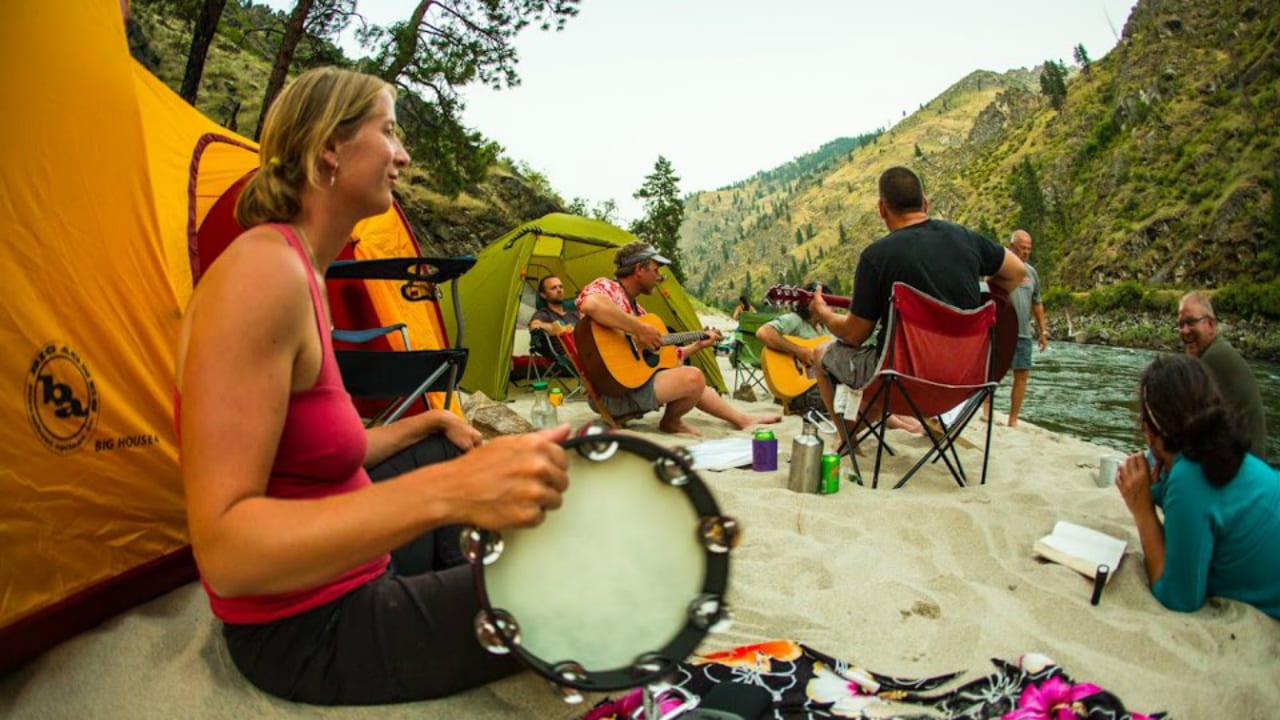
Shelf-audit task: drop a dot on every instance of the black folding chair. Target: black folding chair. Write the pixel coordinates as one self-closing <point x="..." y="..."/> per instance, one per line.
<point x="399" y="378"/>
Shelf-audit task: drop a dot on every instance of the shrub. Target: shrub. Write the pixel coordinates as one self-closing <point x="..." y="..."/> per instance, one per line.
<point x="1250" y="300"/>
<point x="1126" y="295"/>
<point x="1159" y="302"/>
<point x="1057" y="297"/>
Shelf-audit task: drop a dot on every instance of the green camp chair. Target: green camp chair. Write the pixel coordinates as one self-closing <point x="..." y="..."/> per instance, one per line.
<point x="744" y="354"/>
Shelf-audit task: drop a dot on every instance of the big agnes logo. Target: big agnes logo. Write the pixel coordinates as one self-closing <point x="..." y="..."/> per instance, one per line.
<point x="62" y="400"/>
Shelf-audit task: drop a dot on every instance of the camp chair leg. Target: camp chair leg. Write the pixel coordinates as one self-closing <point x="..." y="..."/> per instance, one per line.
<point x="944" y="444"/>
<point x="877" y="429"/>
<point x="420" y="392"/>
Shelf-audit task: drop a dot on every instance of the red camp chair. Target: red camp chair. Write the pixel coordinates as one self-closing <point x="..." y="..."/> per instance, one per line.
<point x="937" y="357"/>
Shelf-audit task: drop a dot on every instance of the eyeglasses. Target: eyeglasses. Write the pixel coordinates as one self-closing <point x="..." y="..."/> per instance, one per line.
<point x="1188" y="322"/>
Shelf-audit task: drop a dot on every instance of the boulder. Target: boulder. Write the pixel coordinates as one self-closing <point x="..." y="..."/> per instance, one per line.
<point x="492" y="418"/>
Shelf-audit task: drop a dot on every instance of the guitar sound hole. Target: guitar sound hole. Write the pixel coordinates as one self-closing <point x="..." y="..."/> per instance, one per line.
<point x="651" y="358"/>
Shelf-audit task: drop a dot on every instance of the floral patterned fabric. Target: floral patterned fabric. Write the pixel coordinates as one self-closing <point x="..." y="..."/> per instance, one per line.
<point x="807" y="684"/>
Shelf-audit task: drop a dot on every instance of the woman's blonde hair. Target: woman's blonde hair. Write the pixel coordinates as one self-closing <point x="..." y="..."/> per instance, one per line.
<point x="320" y="104"/>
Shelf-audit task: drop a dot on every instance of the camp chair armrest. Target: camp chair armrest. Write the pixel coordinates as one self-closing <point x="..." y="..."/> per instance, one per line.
<point x="436" y="270"/>
<point x="386" y="375"/>
<point x="357" y="337"/>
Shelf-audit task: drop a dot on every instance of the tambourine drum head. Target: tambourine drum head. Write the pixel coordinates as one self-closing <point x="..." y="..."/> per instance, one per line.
<point x="609" y="576"/>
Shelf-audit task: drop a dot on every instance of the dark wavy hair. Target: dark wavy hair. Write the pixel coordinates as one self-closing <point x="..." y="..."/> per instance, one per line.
<point x="1181" y="403"/>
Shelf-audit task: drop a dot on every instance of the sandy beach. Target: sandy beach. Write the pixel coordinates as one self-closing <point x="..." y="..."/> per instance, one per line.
<point x="915" y="582"/>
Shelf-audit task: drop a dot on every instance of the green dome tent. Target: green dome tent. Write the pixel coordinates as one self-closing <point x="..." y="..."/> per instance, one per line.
<point x="576" y="249"/>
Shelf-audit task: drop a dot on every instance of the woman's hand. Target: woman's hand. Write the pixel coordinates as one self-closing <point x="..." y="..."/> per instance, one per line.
<point x="510" y="481"/>
<point x="459" y="431"/>
<point x="1134" y="479"/>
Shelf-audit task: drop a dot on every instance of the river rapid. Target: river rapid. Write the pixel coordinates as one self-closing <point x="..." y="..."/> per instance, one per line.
<point x="1090" y="392"/>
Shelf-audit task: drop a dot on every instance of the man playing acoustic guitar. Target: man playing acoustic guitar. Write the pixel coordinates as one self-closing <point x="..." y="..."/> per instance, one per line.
<point x="938" y="258"/>
<point x="800" y="335"/>
<point x="611" y="303"/>
<point x="794" y="339"/>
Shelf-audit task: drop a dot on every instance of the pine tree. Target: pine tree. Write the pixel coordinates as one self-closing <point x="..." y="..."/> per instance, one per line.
<point x="663" y="214"/>
<point x="1053" y="83"/>
<point x="1081" y="56"/>
<point x="1025" y="190"/>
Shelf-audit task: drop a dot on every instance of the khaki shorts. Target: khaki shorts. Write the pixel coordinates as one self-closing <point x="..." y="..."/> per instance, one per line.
<point x="850" y="365"/>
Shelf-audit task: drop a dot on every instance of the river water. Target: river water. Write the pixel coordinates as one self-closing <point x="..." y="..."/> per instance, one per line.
<point x="1090" y="392"/>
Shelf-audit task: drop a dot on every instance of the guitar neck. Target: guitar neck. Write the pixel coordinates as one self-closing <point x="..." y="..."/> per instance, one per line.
<point x="683" y="338"/>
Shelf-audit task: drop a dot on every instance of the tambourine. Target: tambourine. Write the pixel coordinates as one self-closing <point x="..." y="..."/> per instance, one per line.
<point x="618" y="585"/>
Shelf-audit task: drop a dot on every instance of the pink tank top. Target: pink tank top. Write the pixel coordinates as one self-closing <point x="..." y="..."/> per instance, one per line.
<point x="321" y="453"/>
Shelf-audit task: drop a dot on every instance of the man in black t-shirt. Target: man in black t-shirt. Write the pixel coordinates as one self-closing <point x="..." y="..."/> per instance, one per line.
<point x="942" y="259"/>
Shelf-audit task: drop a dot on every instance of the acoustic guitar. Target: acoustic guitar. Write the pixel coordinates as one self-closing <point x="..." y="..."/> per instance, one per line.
<point x="615" y="363"/>
<point x="785" y="375"/>
<point x="1005" y="338"/>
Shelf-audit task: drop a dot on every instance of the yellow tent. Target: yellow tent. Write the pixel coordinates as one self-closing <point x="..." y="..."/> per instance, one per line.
<point x="113" y="193"/>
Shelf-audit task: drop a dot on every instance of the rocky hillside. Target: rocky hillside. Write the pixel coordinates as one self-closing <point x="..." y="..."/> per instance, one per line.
<point x="1158" y="168"/>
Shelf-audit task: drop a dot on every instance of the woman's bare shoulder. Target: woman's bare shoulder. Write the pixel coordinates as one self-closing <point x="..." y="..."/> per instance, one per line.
<point x="259" y="281"/>
<point x="260" y="262"/>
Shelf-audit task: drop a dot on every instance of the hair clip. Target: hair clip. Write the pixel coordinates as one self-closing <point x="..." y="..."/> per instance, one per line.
<point x="1152" y="418"/>
<point x="274" y="161"/>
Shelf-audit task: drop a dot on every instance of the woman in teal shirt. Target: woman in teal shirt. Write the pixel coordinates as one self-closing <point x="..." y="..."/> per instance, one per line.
<point x="1221" y="529"/>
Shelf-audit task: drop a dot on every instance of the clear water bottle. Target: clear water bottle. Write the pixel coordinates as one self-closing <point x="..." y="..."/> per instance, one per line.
<point x="543" y="415"/>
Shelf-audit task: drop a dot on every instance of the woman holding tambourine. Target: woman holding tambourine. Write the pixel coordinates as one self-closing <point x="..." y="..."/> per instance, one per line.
<point x="291" y="537"/>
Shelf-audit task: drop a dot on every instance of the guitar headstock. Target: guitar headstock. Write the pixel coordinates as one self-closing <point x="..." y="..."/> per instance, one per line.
<point x="794" y="297"/>
<point x="784" y="296"/>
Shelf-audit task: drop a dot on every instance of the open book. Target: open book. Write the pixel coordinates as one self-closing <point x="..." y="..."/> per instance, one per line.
<point x="1081" y="549"/>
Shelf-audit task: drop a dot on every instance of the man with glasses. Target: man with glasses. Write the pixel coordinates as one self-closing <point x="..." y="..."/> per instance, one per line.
<point x="611" y="302"/>
<point x="1198" y="329"/>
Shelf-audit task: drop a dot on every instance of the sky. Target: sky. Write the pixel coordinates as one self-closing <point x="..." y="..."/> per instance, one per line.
<point x="726" y="88"/>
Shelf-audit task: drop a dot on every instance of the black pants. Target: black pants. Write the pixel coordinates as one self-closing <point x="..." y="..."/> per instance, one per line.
<point x="405" y="636"/>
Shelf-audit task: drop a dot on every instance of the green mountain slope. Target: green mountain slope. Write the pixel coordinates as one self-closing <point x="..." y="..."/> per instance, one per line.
<point x="1158" y="168"/>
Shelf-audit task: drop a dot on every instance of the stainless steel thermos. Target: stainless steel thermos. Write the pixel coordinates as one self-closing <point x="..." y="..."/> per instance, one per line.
<point x="806" y="460"/>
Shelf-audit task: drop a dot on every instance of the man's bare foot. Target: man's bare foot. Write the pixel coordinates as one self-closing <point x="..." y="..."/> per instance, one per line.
<point x="749" y="420"/>
<point x="906" y="424"/>
<point x="678" y="427"/>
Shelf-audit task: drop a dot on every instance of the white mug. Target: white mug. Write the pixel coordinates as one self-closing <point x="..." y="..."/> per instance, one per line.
<point x="1108" y="467"/>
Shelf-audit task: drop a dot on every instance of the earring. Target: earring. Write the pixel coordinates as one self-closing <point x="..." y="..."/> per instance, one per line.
<point x="333" y="175"/>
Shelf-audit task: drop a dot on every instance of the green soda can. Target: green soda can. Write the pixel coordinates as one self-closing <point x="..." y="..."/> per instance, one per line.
<point x="830" y="480"/>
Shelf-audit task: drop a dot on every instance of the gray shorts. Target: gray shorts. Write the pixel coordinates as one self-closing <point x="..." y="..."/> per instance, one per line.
<point x="1022" y="354"/>
<point x="849" y="365"/>
<point x="633" y="404"/>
